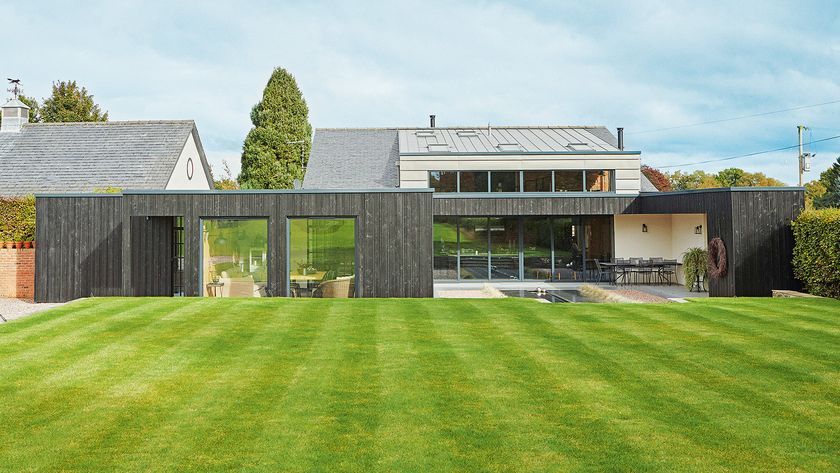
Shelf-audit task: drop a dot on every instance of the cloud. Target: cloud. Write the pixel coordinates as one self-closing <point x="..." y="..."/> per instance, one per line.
<point x="638" y="65"/>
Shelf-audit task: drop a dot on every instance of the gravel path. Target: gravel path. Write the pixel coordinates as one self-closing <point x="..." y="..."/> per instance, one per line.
<point x="12" y="309"/>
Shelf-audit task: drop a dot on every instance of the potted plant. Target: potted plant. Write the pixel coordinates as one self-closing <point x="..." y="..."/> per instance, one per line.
<point x="695" y="269"/>
<point x="27" y="244"/>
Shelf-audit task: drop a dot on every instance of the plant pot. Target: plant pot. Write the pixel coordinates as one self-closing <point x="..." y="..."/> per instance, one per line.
<point x="18" y="244"/>
<point x="27" y="244"/>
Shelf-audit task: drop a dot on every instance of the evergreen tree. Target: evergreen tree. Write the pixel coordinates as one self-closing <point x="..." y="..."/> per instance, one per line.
<point x="271" y="158"/>
<point x="71" y="103"/>
<point x="830" y="179"/>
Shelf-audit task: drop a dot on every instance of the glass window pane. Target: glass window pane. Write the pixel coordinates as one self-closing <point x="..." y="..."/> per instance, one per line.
<point x="443" y="181"/>
<point x="473" y="234"/>
<point x="473" y="181"/>
<point x="504" y="181"/>
<point x="446" y="248"/>
<point x="504" y="248"/>
<point x="568" y="257"/>
<point x="234" y="257"/>
<point x="537" y="181"/>
<point x="598" y="240"/>
<point x="598" y="181"/>
<point x="568" y="181"/>
<point x="322" y="257"/>
<point x="536" y="247"/>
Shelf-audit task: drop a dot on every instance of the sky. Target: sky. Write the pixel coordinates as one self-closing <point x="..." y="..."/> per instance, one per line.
<point x="639" y="65"/>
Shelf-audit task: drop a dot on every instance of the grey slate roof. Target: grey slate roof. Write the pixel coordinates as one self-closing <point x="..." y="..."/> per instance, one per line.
<point x="353" y="159"/>
<point x="80" y="157"/>
<point x="529" y="139"/>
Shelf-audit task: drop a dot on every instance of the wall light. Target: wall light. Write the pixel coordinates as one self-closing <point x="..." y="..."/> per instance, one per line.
<point x="644" y="228"/>
<point x="698" y="230"/>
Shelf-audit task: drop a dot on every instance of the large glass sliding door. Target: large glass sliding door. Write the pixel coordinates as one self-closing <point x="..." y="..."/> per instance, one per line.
<point x="473" y="236"/>
<point x="504" y="248"/>
<point x="534" y="248"/>
<point x="234" y="257"/>
<point x="322" y="257"/>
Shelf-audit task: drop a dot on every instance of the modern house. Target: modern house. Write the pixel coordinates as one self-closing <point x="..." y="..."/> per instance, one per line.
<point x="93" y="156"/>
<point x="387" y="212"/>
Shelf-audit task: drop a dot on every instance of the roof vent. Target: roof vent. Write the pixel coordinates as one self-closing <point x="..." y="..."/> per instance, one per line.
<point x="579" y="146"/>
<point x="509" y="147"/>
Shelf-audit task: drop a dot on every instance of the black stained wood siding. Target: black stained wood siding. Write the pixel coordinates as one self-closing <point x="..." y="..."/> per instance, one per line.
<point x="151" y="256"/>
<point x="755" y="227"/>
<point x="393" y="239"/>
<point x="78" y="251"/>
<point x="542" y="205"/>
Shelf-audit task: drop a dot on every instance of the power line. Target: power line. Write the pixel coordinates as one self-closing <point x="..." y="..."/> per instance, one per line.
<point x="745" y="155"/>
<point x="710" y="122"/>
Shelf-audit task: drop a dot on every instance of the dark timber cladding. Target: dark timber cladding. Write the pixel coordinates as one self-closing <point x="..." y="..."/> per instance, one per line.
<point x="121" y="244"/>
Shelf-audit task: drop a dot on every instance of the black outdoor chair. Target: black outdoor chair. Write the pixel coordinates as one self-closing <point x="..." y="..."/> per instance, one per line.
<point x="621" y="271"/>
<point x="601" y="271"/>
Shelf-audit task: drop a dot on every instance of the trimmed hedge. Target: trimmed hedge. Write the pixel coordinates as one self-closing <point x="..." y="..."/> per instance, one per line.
<point x="816" y="254"/>
<point x="17" y="218"/>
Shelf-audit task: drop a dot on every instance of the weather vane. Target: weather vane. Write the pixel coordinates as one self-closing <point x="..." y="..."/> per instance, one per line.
<point x="15" y="87"/>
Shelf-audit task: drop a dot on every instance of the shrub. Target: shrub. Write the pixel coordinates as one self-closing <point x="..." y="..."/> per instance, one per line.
<point x="816" y="253"/>
<point x="17" y="218"/>
<point x="695" y="265"/>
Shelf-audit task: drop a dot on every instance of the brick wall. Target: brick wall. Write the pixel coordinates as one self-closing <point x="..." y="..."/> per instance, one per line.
<point x="17" y="273"/>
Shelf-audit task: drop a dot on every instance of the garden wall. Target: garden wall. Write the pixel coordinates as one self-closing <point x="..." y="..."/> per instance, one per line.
<point x="17" y="273"/>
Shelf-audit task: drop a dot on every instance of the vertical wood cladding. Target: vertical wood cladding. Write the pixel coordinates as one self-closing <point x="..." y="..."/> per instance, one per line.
<point x="394" y="243"/>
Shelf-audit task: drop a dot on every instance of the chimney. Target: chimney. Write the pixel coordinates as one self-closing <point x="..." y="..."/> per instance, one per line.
<point x="621" y="138"/>
<point x="432" y="121"/>
<point x="15" y="114"/>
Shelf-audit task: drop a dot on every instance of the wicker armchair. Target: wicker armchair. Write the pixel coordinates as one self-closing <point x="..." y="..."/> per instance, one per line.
<point x="335" y="288"/>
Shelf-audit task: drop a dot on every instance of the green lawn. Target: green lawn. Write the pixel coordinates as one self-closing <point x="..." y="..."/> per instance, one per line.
<point x="430" y="385"/>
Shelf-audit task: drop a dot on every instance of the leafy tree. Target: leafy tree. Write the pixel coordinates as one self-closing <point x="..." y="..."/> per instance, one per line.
<point x="692" y="180"/>
<point x="730" y="177"/>
<point x="71" y="103"/>
<point x="657" y="178"/>
<point x="830" y="179"/>
<point x="34" y="109"/>
<point x="813" y="191"/>
<point x="227" y="182"/>
<point x="271" y="158"/>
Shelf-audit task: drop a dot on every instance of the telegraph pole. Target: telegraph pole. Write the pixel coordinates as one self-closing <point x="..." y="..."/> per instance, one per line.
<point x="800" y="129"/>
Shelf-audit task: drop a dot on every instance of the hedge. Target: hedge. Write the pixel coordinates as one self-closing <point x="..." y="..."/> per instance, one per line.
<point x="17" y="218"/>
<point x="816" y="253"/>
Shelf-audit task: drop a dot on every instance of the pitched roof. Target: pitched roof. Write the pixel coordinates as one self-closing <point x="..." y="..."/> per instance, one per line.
<point x="507" y="139"/>
<point x="80" y="157"/>
<point x="646" y="185"/>
<point x="353" y="159"/>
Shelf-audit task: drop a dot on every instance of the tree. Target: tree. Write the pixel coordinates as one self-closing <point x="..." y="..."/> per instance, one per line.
<point x="276" y="150"/>
<point x="732" y="177"/>
<point x="729" y="177"/>
<point x="813" y="191"/>
<point x="694" y="180"/>
<point x="227" y="182"/>
<point x="70" y="103"/>
<point x="34" y="109"/>
<point x="830" y="179"/>
<point x="657" y="178"/>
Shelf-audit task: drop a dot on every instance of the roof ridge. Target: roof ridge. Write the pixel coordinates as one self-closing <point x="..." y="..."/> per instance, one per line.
<point x="473" y="127"/>
<point x="116" y="122"/>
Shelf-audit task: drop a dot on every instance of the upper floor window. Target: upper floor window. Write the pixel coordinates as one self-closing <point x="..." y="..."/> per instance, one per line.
<point x="522" y="181"/>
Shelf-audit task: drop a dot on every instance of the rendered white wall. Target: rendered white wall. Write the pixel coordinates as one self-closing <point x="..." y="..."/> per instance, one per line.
<point x="668" y="236"/>
<point x="414" y="170"/>
<point x="179" y="180"/>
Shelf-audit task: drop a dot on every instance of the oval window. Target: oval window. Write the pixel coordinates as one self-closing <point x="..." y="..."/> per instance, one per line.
<point x="190" y="168"/>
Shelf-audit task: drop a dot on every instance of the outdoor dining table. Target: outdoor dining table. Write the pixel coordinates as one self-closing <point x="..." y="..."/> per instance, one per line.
<point x="624" y="266"/>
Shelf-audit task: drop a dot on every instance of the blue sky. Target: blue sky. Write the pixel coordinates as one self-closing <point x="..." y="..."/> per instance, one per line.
<point x="640" y="65"/>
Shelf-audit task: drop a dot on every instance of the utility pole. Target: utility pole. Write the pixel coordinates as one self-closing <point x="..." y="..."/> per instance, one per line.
<point x="800" y="129"/>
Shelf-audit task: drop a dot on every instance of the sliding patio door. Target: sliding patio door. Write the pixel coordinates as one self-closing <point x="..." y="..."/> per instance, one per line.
<point x="322" y="257"/>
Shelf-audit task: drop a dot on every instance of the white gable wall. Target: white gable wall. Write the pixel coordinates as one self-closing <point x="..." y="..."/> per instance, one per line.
<point x="179" y="180"/>
<point x="414" y="170"/>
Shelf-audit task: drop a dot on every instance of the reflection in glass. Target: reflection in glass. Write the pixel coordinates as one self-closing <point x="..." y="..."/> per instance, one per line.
<point x="568" y="257"/>
<point x="234" y="257"/>
<point x="473" y="235"/>
<point x="504" y="181"/>
<point x="443" y="181"/>
<point x="537" y="181"/>
<point x="474" y="181"/>
<point x="536" y="247"/>
<point x="322" y="257"/>
<point x="446" y="248"/>
<point x="568" y="181"/>
<point x="598" y="181"/>
<point x="598" y="240"/>
<point x="504" y="248"/>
